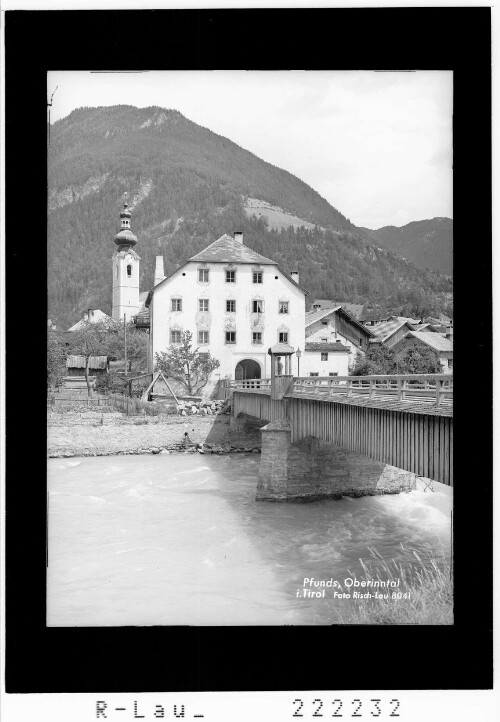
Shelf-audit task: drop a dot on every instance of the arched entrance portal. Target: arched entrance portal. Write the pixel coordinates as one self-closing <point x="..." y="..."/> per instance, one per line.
<point x="247" y="369"/>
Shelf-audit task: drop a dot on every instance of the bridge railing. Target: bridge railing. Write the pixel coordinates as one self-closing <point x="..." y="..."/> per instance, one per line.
<point x="248" y="384"/>
<point x="437" y="388"/>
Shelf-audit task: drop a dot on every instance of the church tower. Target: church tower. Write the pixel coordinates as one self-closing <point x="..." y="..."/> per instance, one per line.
<point x="125" y="271"/>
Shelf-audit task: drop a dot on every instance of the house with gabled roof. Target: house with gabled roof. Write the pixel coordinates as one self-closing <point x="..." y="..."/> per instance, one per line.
<point x="235" y="302"/>
<point x="335" y="325"/>
<point x="439" y="345"/>
<point x="391" y="332"/>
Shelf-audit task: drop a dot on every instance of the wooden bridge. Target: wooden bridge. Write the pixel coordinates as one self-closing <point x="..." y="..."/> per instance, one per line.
<point x="405" y="421"/>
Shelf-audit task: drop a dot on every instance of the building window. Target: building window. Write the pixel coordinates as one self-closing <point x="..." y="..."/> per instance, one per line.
<point x="177" y="304"/>
<point x="283" y="337"/>
<point x="231" y="306"/>
<point x="324" y="356"/>
<point x="203" y="275"/>
<point x="314" y="373"/>
<point x="175" y="336"/>
<point x="324" y="323"/>
<point x="338" y="341"/>
<point x="450" y="363"/>
<point x="256" y="337"/>
<point x="203" y="337"/>
<point x="333" y="373"/>
<point x="283" y="307"/>
<point x="257" y="276"/>
<point x="203" y="304"/>
<point x="230" y="276"/>
<point x="129" y="271"/>
<point x="316" y="306"/>
<point x="258" y="306"/>
<point x="230" y="336"/>
<point x="325" y="340"/>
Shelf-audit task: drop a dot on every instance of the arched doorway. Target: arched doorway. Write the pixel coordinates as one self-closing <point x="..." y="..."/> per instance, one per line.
<point x="247" y="369"/>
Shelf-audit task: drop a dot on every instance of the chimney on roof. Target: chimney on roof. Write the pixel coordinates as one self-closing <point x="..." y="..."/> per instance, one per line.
<point x="90" y="314"/>
<point x="159" y="270"/>
<point x="238" y="236"/>
<point x="449" y="333"/>
<point x="295" y="276"/>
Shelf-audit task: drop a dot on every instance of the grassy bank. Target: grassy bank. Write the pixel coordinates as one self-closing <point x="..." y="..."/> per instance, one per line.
<point x="426" y="588"/>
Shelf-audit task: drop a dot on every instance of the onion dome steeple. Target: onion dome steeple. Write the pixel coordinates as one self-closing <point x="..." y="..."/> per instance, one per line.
<point x="125" y="237"/>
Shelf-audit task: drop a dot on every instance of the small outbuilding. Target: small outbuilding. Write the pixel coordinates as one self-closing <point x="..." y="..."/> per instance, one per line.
<point x="98" y="366"/>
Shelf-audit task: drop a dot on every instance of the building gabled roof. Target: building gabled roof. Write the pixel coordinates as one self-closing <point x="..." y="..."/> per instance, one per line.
<point x="433" y="340"/>
<point x="355" y="309"/>
<point x="383" y="331"/>
<point x="326" y="346"/>
<point x="97" y="316"/>
<point x="226" y="250"/>
<point x="313" y="316"/>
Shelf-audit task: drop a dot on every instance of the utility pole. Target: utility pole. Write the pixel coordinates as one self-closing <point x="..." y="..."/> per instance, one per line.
<point x="125" y="330"/>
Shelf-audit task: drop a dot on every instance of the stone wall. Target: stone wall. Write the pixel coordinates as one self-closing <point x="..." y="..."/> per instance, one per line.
<point x="314" y="469"/>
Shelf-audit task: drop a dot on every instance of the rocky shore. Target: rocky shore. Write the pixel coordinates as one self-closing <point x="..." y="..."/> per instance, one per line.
<point x="203" y="434"/>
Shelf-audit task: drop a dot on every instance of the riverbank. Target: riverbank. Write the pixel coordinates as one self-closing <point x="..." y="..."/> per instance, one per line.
<point x="209" y="434"/>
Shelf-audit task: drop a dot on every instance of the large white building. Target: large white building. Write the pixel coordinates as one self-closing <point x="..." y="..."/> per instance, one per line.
<point x="235" y="302"/>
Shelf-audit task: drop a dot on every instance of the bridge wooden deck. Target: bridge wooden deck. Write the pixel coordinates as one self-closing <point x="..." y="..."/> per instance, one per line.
<point x="403" y="421"/>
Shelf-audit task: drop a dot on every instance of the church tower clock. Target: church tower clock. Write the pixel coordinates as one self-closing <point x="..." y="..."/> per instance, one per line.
<point x="125" y="271"/>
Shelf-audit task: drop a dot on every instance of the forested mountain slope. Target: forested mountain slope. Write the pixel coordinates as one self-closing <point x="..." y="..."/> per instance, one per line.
<point x="187" y="186"/>
<point x="427" y="244"/>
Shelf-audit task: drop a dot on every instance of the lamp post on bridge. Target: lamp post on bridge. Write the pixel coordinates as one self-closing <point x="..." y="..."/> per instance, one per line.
<point x="298" y="353"/>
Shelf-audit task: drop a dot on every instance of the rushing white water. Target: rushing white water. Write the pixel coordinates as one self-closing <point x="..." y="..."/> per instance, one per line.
<point x="180" y="539"/>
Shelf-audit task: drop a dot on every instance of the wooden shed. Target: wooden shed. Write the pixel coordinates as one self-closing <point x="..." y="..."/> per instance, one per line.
<point x="98" y="366"/>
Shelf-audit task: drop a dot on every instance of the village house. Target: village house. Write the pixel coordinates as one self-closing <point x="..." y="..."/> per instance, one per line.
<point x="92" y="316"/>
<point x="325" y="359"/>
<point x="235" y="302"/>
<point x="441" y="347"/>
<point x="389" y="333"/>
<point x="345" y="336"/>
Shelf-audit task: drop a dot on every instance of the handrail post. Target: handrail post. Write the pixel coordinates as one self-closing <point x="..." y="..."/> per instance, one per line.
<point x="439" y="390"/>
<point x="349" y="387"/>
<point x="372" y="388"/>
<point x="400" y="389"/>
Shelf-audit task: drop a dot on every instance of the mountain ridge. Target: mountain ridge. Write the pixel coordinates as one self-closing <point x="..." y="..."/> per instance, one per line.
<point x="428" y="243"/>
<point x="188" y="186"/>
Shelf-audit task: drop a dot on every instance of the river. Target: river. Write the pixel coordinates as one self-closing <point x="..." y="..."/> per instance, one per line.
<point x="179" y="539"/>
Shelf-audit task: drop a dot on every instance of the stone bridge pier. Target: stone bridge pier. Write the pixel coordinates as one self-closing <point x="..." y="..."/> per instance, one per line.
<point x="312" y="469"/>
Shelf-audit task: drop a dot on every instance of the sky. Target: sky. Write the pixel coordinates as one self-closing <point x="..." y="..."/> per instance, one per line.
<point x="376" y="145"/>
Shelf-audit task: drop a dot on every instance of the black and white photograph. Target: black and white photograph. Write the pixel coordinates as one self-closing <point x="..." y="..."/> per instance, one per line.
<point x="250" y="348"/>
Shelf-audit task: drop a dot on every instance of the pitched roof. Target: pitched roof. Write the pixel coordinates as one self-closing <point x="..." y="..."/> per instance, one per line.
<point x="283" y="348"/>
<point x="313" y="316"/>
<point x="384" y="330"/>
<point x="97" y="316"/>
<point x="355" y="309"/>
<point x="226" y="250"/>
<point x="325" y="346"/>
<point x="434" y="340"/>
